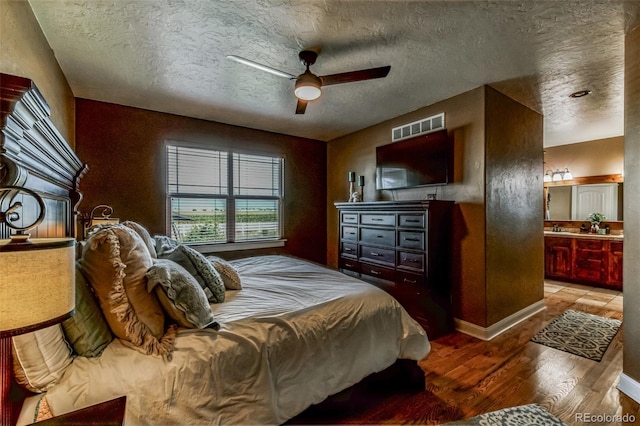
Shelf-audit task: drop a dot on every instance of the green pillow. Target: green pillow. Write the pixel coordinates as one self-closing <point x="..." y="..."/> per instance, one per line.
<point x="180" y="295"/>
<point x="195" y="263"/>
<point x="87" y="331"/>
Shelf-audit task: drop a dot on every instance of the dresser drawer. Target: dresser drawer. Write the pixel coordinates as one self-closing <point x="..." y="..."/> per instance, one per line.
<point x="388" y="219"/>
<point x="349" y="218"/>
<point x="349" y="249"/>
<point x="407" y="278"/>
<point x="378" y="272"/>
<point x="414" y="261"/>
<point x="386" y="237"/>
<point x="377" y="254"/>
<point x="411" y="220"/>
<point x="349" y="264"/>
<point x="350" y="233"/>
<point x="411" y="240"/>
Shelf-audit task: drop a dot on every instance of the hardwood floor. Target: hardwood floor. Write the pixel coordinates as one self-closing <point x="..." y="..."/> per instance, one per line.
<point x="474" y="377"/>
<point x="466" y="376"/>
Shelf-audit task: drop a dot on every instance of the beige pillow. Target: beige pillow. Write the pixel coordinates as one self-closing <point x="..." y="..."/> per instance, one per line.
<point x="115" y="261"/>
<point x="227" y="272"/>
<point x="40" y="358"/>
<point x="144" y="234"/>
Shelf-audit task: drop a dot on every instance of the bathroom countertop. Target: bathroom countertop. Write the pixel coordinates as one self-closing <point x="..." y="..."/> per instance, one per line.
<point x="615" y="237"/>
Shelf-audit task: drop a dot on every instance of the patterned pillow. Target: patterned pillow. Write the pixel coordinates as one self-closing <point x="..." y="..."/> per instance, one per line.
<point x="87" y="330"/>
<point x="195" y="263"/>
<point x="40" y="358"/>
<point x="180" y="295"/>
<point x="229" y="274"/>
<point x="116" y="260"/>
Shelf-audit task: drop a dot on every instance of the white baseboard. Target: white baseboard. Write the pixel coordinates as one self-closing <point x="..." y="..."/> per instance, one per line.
<point x="629" y="387"/>
<point x="488" y="333"/>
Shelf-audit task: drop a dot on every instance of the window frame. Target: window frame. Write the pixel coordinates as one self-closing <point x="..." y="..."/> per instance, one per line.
<point x="230" y="242"/>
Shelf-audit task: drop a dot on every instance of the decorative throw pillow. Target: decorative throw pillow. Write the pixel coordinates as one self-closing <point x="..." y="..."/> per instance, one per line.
<point x="195" y="263"/>
<point x="40" y="358"/>
<point x="180" y="295"/>
<point x="227" y="272"/>
<point x="144" y="234"/>
<point x="87" y="330"/>
<point x="116" y="260"/>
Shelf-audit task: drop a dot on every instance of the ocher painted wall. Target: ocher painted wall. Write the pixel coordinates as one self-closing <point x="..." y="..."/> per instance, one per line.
<point x="490" y="130"/>
<point x="464" y="118"/>
<point x="25" y="52"/>
<point x="514" y="224"/>
<point x="124" y="148"/>
<point x="486" y="127"/>
<point x="631" y="272"/>
<point x="593" y="158"/>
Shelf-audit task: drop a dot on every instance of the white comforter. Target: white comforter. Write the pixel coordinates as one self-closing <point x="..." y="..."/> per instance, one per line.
<point x="296" y="333"/>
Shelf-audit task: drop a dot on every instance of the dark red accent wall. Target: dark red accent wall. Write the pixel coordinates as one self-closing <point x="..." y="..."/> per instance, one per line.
<point x="124" y="149"/>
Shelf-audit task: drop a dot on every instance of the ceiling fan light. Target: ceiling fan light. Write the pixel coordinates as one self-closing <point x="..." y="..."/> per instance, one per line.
<point x="308" y="87"/>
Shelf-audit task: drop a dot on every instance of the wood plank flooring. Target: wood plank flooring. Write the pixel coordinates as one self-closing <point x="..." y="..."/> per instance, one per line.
<point x="466" y="376"/>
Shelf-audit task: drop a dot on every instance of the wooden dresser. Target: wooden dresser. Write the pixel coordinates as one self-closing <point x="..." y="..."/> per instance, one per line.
<point x="403" y="247"/>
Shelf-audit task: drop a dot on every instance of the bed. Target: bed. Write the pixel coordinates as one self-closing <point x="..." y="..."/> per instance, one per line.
<point x="295" y="332"/>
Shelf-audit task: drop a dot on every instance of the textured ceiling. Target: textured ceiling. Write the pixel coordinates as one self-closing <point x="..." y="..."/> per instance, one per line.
<point x="169" y="56"/>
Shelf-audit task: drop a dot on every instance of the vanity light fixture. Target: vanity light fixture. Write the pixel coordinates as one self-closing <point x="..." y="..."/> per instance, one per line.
<point x="558" y="175"/>
<point x="548" y="176"/>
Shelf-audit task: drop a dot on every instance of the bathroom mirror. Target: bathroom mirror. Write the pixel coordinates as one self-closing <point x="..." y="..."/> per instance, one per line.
<point x="572" y="201"/>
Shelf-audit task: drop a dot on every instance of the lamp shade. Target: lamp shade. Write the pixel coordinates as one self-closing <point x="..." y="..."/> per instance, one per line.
<point x="37" y="284"/>
<point x="567" y="175"/>
<point x="308" y="86"/>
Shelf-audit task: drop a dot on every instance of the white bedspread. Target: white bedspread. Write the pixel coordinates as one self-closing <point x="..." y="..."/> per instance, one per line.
<point x="296" y="333"/>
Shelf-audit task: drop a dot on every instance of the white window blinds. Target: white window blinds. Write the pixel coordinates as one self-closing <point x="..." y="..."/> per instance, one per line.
<point x="213" y="199"/>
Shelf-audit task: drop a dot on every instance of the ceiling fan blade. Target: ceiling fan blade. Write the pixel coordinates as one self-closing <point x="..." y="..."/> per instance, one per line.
<point x="260" y="66"/>
<point x="348" y="77"/>
<point x="301" y="106"/>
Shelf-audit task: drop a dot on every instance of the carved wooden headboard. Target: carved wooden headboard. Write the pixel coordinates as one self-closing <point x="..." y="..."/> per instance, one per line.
<point x="33" y="155"/>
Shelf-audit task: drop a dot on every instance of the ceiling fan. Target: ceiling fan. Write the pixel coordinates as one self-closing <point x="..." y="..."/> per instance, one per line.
<point x="308" y="85"/>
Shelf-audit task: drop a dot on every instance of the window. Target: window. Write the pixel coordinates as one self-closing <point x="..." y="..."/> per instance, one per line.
<point x="222" y="197"/>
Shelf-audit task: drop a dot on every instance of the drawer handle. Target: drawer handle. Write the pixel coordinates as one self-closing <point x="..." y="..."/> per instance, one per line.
<point x="404" y="259"/>
<point x="348" y="249"/>
<point x="351" y="233"/>
<point x="412" y="220"/>
<point x="379" y="236"/>
<point x="373" y="253"/>
<point x="407" y="280"/>
<point x="348" y="265"/>
<point x="376" y="219"/>
<point x="412" y="239"/>
<point x="375" y="272"/>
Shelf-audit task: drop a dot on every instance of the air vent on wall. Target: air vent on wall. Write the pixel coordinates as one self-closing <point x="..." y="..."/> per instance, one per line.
<point x="426" y="125"/>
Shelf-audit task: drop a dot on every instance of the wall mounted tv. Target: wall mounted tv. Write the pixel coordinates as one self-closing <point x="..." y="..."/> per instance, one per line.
<point x="419" y="161"/>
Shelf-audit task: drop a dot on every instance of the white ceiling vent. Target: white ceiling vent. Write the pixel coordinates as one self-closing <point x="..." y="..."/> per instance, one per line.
<point x="419" y="127"/>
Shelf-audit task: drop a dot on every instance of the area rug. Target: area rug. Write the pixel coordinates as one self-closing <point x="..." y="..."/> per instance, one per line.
<point x="523" y="415"/>
<point x="579" y="333"/>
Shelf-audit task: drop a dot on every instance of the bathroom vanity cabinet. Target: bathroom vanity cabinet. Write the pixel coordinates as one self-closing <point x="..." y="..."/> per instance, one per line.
<point x="593" y="260"/>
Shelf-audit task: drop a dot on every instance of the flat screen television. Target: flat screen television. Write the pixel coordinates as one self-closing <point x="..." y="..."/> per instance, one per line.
<point x="423" y="160"/>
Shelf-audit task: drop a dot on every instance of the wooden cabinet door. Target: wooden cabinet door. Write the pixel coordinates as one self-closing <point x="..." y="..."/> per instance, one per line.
<point x="590" y="262"/>
<point x="615" y="265"/>
<point x="558" y="257"/>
